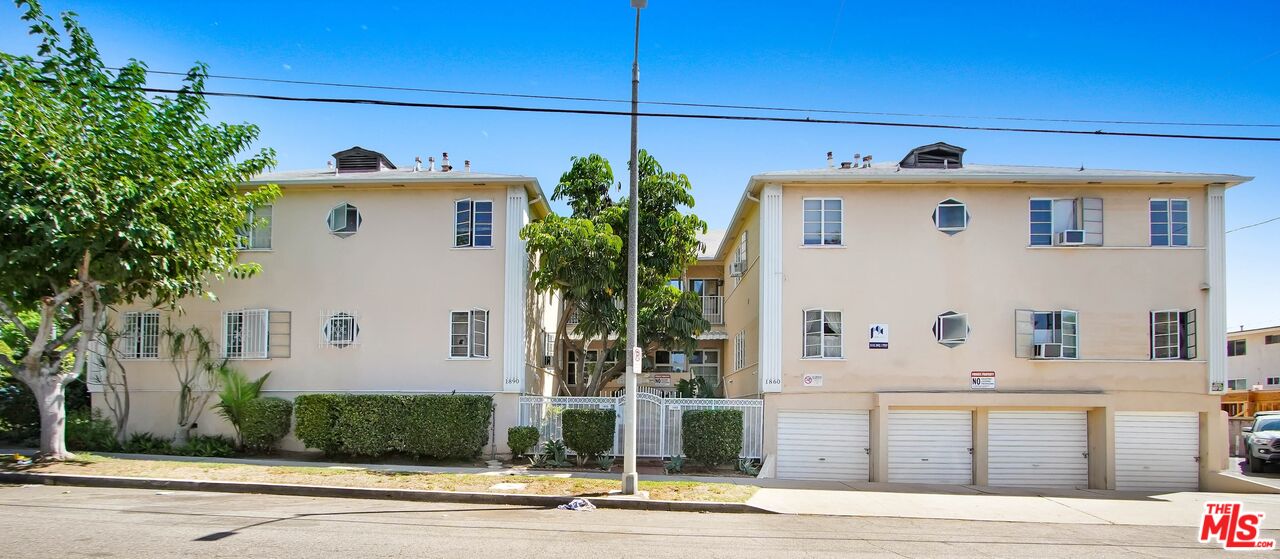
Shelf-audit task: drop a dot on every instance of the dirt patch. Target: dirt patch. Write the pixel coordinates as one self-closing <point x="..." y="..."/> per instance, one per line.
<point x="355" y="477"/>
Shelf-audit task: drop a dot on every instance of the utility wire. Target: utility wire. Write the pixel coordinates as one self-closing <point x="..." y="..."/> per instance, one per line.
<point x="698" y="116"/>
<point x="716" y="105"/>
<point x="1254" y="224"/>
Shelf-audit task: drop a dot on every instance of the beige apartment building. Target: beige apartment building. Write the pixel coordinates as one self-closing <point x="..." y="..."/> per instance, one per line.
<point x="1253" y="359"/>
<point x="938" y="321"/>
<point x="375" y="279"/>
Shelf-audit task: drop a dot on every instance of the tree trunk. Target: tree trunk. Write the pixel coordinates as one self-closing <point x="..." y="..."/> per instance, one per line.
<point x="50" y="393"/>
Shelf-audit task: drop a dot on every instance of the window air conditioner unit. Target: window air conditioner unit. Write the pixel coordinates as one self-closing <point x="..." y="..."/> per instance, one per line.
<point x="1071" y="237"/>
<point x="1048" y="351"/>
<point x="736" y="269"/>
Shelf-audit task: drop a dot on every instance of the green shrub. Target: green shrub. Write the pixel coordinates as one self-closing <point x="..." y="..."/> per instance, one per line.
<point x="264" y="421"/>
<point x="236" y="395"/>
<point x="216" y="446"/>
<point x="146" y="443"/>
<point x="19" y="419"/>
<point x="316" y="415"/>
<point x="712" y="437"/>
<point x="589" y="433"/>
<point x="90" y="431"/>
<point x="521" y="439"/>
<point x="437" y="426"/>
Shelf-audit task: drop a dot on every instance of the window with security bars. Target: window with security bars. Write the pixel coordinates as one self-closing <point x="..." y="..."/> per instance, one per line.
<point x="822" y="334"/>
<point x="1173" y="334"/>
<point x="469" y="334"/>
<point x="473" y="223"/>
<point x="548" y="347"/>
<point x="740" y="351"/>
<point x="245" y="334"/>
<point x="340" y="329"/>
<point x="141" y="339"/>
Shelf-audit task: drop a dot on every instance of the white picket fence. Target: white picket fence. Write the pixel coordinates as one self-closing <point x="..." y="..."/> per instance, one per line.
<point x="659" y="420"/>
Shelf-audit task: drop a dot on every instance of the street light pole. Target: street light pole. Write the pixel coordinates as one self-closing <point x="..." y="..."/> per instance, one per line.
<point x="630" y="479"/>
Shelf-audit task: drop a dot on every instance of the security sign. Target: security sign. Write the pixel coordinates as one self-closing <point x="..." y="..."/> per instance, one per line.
<point x="982" y="380"/>
<point x="812" y="380"/>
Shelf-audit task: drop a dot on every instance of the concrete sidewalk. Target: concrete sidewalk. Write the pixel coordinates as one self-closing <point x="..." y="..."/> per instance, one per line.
<point x="893" y="500"/>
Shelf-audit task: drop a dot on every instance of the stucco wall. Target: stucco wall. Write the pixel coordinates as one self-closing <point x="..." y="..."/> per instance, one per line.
<point x="1260" y="360"/>
<point x="742" y="310"/>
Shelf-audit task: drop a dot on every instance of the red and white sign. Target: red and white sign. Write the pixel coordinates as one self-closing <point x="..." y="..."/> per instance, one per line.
<point x="812" y="380"/>
<point x="982" y="380"/>
<point x="660" y="379"/>
<point x="1228" y="525"/>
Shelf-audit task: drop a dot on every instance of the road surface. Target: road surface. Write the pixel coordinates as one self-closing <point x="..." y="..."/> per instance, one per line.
<point x="127" y="523"/>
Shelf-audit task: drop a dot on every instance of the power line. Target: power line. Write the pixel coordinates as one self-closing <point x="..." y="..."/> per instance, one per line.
<point x="1277" y="218"/>
<point x="698" y="116"/>
<point x="716" y="105"/>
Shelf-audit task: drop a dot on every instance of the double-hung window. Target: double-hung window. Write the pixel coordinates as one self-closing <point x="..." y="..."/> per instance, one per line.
<point x="823" y="334"/>
<point x="473" y="223"/>
<point x="1237" y="384"/>
<point x="141" y="339"/>
<point x="1169" y="223"/>
<point x="1173" y="334"/>
<point x="1235" y="347"/>
<point x="705" y="364"/>
<point x="1273" y="381"/>
<point x="245" y="334"/>
<point x="823" y="222"/>
<point x="255" y="234"/>
<point x="1046" y="334"/>
<point x="1065" y="222"/>
<point x="469" y="334"/>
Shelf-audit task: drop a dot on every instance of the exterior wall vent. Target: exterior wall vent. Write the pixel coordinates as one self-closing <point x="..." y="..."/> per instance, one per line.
<point x="934" y="156"/>
<point x="360" y="160"/>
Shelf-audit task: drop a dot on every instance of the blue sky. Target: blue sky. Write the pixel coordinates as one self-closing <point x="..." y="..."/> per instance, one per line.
<point x="1172" y="61"/>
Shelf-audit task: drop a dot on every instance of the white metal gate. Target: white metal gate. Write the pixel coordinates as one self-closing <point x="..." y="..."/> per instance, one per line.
<point x="659" y="420"/>
<point x="1038" y="449"/>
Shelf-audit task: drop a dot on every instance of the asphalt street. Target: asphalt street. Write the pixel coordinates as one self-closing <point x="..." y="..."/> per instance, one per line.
<point x="89" y="522"/>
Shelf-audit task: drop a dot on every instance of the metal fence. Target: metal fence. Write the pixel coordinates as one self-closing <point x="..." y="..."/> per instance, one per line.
<point x="659" y="420"/>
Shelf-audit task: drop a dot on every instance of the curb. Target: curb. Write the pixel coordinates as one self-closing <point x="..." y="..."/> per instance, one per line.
<point x="545" y="501"/>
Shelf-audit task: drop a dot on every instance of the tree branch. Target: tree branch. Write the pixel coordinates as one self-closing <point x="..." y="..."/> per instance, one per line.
<point x="13" y="317"/>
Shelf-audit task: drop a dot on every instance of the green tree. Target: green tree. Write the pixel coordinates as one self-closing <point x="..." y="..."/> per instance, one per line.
<point x="582" y="258"/>
<point x="107" y="196"/>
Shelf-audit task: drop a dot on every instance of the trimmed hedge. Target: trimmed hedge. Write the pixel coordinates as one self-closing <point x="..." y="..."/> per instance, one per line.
<point x="436" y="426"/>
<point x="265" y="422"/>
<point x="588" y="432"/>
<point x="521" y="439"/>
<point x="712" y="437"/>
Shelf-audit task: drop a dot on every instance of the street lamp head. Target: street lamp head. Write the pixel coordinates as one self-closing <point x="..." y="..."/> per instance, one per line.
<point x="637" y="4"/>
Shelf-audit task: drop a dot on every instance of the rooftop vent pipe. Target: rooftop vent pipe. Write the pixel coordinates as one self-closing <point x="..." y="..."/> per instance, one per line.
<point x="417" y="164"/>
<point x="830" y="162"/>
<point x="466" y="166"/>
<point x="846" y="164"/>
<point x="431" y="164"/>
<point x="445" y="167"/>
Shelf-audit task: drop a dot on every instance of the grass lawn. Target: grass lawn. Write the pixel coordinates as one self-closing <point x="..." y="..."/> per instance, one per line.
<point x="86" y="464"/>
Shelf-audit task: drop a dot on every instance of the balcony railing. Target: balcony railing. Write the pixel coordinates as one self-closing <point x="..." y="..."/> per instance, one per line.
<point x="713" y="309"/>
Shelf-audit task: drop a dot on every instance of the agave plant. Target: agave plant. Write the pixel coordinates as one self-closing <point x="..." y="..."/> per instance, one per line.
<point x="236" y="394"/>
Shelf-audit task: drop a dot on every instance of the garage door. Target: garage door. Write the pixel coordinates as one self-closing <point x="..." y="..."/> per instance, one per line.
<point x="822" y="445"/>
<point x="1038" y="449"/>
<point x="1157" y="451"/>
<point x="931" y="446"/>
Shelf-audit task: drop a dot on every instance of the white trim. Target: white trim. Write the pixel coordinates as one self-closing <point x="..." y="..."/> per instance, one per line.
<point x="340" y="231"/>
<point x="952" y="203"/>
<point x="770" y="349"/>
<point x="1168" y="210"/>
<point x="1177" y="335"/>
<point x="740" y="350"/>
<point x="1216" y="276"/>
<point x="822" y="222"/>
<point x="247" y="328"/>
<point x="471" y="224"/>
<point x="514" y="280"/>
<point x="471" y="331"/>
<point x="822" y="334"/>
<point x="136" y="342"/>
<point x="941" y="328"/>
<point x="327" y="319"/>
<point x="1109" y="247"/>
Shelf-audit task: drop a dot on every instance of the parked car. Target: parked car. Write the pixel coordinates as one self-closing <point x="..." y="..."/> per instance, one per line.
<point x="1262" y="440"/>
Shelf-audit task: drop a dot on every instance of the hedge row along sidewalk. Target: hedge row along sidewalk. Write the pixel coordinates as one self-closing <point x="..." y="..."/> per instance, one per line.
<point x="346" y="477"/>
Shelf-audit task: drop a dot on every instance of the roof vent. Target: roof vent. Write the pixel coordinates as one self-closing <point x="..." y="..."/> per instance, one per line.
<point x="360" y="160"/>
<point x="445" y="167"/>
<point x="934" y="156"/>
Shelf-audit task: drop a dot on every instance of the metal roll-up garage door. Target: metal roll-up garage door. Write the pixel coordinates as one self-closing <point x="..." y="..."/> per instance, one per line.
<point x="1157" y="451"/>
<point x="822" y="445"/>
<point x="1038" y="449"/>
<point x="931" y="446"/>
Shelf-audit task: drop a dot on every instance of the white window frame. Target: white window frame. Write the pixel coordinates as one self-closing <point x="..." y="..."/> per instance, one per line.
<point x="740" y="256"/>
<point x="251" y="233"/>
<point x="1070" y="340"/>
<point x="823" y="320"/>
<point x="1172" y="352"/>
<point x="942" y="319"/>
<point x="740" y="351"/>
<point x="1268" y="381"/>
<point x="669" y="365"/>
<point x="141" y="339"/>
<point x="1168" y="222"/>
<point x="952" y="203"/>
<point x="822" y="222"/>
<point x="327" y="338"/>
<point x="475" y="345"/>
<point x="1244" y="347"/>
<point x="339" y="219"/>
<point x="693" y="368"/>
<point x="1231" y="383"/>
<point x="465" y="232"/>
<point x="1084" y="216"/>
<point x="548" y="347"/>
<point x="247" y="343"/>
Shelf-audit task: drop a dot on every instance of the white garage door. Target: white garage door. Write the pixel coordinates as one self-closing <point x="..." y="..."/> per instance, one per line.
<point x="1157" y="451"/>
<point x="931" y="446"/>
<point x="1038" y="449"/>
<point x="822" y="445"/>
